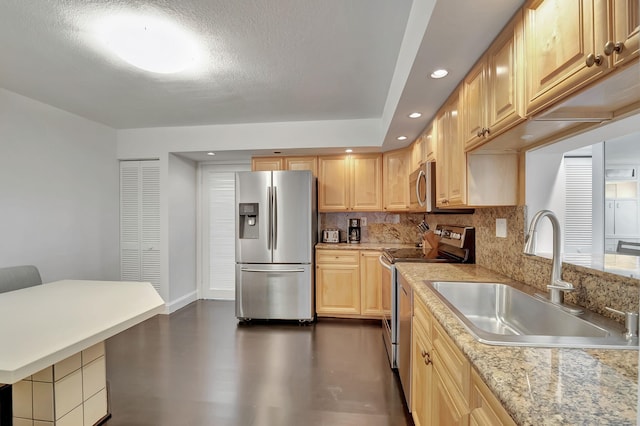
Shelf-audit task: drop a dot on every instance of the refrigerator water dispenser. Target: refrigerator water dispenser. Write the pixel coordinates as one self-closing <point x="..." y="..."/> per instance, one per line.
<point x="248" y="220"/>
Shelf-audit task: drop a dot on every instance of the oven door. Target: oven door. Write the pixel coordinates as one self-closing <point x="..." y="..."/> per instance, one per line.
<point x="389" y="308"/>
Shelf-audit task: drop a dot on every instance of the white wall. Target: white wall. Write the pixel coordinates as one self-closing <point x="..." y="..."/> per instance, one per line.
<point x="154" y="142"/>
<point x="58" y="191"/>
<point x="182" y="231"/>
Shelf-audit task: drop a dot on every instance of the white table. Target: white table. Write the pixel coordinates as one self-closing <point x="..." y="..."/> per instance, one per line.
<point x="48" y="330"/>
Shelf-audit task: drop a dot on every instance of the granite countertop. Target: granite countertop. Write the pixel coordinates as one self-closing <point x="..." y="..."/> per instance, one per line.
<point x="537" y="386"/>
<point x="361" y="246"/>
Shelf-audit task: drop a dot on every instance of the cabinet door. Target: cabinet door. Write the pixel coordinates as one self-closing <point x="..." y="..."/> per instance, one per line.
<point x="337" y="290"/>
<point x="370" y="284"/>
<point x="559" y="35"/>
<point x="625" y="20"/>
<point x="333" y="183"/>
<point x="457" y="159"/>
<point x="266" y="164"/>
<point x="366" y="182"/>
<point x="442" y="174"/>
<point x="421" y="381"/>
<point x="448" y="408"/>
<point x="417" y="154"/>
<point x="505" y="79"/>
<point x="430" y="143"/>
<point x="396" y="180"/>
<point x="474" y="92"/>
<point x="302" y="163"/>
<point x="626" y="217"/>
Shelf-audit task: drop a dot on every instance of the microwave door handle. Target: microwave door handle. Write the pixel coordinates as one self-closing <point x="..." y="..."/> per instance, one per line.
<point x="421" y="174"/>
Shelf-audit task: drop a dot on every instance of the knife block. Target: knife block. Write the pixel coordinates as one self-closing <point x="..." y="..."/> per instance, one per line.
<point x="429" y="241"/>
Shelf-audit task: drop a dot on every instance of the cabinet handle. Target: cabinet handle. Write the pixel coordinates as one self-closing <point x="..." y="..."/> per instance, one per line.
<point x="611" y="47"/>
<point x="423" y="353"/>
<point x="485" y="132"/>
<point x="427" y="359"/>
<point x="593" y="60"/>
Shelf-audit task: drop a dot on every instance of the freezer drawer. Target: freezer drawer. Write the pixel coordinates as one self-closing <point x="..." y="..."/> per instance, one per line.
<point x="282" y="291"/>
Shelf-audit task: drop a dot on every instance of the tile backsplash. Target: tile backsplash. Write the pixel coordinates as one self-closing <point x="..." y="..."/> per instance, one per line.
<point x="594" y="289"/>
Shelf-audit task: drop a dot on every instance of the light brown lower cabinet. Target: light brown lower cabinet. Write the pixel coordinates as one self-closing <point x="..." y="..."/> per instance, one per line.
<point x="445" y="389"/>
<point x="348" y="284"/>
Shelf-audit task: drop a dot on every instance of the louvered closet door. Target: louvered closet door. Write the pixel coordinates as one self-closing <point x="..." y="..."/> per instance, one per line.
<point x="578" y="235"/>
<point x="140" y="221"/>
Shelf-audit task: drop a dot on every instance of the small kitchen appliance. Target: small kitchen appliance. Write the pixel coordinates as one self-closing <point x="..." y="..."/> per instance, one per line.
<point x="331" y="236"/>
<point x="353" y="235"/>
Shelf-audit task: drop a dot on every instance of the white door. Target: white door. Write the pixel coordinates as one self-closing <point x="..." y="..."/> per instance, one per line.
<point x="218" y="230"/>
<point x="140" y="221"/>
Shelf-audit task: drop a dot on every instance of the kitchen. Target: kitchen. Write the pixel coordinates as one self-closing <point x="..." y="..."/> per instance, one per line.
<point x="178" y="272"/>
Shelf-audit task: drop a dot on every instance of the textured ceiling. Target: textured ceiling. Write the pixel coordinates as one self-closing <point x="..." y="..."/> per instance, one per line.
<point x="268" y="60"/>
<point x="285" y="60"/>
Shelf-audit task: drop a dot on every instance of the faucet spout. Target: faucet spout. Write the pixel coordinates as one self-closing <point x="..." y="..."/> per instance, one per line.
<point x="557" y="287"/>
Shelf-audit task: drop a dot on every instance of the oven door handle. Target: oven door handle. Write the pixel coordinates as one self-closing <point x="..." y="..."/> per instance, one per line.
<point x="383" y="262"/>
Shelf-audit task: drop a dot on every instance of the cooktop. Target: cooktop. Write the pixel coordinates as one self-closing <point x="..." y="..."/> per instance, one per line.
<point x="456" y="245"/>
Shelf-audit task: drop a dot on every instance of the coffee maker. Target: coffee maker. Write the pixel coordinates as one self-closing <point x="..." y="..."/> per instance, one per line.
<point x="353" y="235"/>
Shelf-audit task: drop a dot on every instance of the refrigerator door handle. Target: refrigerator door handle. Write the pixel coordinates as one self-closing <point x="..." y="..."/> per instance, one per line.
<point x="271" y="270"/>
<point x="269" y="223"/>
<point x="275" y="217"/>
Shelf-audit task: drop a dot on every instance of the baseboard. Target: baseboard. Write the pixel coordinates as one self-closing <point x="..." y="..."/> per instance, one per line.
<point x="222" y="295"/>
<point x="180" y="302"/>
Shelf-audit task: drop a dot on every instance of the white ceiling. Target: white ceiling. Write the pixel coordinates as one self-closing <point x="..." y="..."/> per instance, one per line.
<point x="269" y="61"/>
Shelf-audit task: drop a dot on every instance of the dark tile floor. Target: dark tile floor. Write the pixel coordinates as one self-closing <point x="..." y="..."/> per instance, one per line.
<point x="199" y="367"/>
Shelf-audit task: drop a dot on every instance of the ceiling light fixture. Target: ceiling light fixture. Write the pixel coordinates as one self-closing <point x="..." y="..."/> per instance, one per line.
<point x="211" y="153"/>
<point x="150" y="43"/>
<point x="415" y="115"/>
<point x="439" y="73"/>
<point x="402" y="138"/>
<point x="348" y="150"/>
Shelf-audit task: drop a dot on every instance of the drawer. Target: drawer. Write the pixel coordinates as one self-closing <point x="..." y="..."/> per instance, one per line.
<point x="422" y="315"/>
<point x="450" y="361"/>
<point x="337" y="256"/>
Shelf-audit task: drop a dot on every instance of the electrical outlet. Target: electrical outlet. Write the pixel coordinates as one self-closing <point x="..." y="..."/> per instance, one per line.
<point x="501" y="228"/>
<point x="363" y="221"/>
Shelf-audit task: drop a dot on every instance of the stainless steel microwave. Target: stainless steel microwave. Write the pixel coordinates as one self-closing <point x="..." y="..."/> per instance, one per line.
<point x="422" y="192"/>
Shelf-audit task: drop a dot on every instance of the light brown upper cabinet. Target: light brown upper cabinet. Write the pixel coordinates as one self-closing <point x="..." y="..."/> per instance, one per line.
<point x="285" y="163"/>
<point x="624" y="40"/>
<point x="396" y="179"/>
<point x="417" y="153"/>
<point x="261" y="164"/>
<point x="350" y="183"/>
<point x="451" y="169"/>
<point x="302" y="163"/>
<point x="493" y="90"/>
<point x="564" y="42"/>
<point x="429" y="138"/>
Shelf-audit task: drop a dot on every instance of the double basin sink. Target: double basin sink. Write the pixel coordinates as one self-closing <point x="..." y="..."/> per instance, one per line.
<point x="498" y="314"/>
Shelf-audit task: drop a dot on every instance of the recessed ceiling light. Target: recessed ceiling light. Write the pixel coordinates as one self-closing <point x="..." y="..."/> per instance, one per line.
<point x="439" y="73"/>
<point x="348" y="150"/>
<point x="415" y="115"/>
<point x="211" y="153"/>
<point x="401" y="138"/>
<point x="148" y="42"/>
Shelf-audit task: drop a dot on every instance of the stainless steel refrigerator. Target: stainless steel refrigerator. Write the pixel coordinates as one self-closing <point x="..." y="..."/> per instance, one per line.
<point x="276" y="230"/>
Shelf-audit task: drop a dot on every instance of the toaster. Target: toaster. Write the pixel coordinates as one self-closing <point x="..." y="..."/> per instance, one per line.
<point x="331" y="236"/>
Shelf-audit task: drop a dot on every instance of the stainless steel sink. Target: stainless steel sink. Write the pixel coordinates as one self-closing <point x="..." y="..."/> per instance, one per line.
<point x="498" y="314"/>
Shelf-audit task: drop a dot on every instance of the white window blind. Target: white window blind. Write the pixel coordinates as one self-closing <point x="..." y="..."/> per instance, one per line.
<point x="140" y="221"/>
<point x="578" y="235"/>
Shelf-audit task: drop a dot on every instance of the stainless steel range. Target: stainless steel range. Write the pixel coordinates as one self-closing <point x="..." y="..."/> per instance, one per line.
<point x="457" y="245"/>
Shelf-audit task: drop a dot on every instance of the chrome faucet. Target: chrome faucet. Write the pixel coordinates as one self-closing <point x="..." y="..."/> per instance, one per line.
<point x="557" y="287"/>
